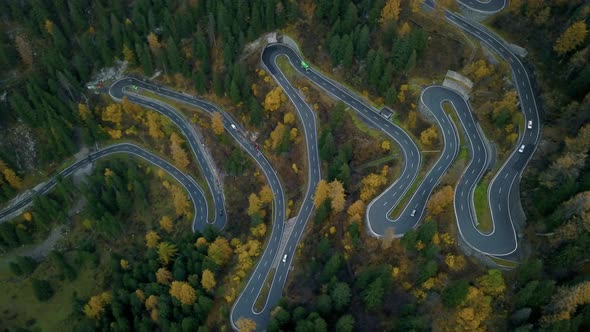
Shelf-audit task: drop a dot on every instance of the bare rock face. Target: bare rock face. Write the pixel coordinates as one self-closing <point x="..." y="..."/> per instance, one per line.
<point x="20" y="139"/>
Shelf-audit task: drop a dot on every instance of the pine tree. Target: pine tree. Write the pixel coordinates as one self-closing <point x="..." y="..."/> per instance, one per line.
<point x="347" y="51"/>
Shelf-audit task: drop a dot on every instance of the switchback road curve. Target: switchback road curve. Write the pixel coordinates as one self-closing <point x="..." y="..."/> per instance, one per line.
<point x="195" y="193"/>
<point x="379" y="209"/>
<point x="503" y="195"/>
<point x="272" y="256"/>
<point x="503" y="191"/>
<point x="121" y="88"/>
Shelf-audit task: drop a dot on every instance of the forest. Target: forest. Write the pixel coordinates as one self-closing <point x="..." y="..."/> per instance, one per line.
<point x="128" y="260"/>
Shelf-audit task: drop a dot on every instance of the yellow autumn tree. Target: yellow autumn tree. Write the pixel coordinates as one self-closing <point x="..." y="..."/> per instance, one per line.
<point x="113" y="113"/>
<point x="128" y="54"/>
<point x="152" y="239"/>
<point x="217" y="123"/>
<point x="289" y="118"/>
<point x="440" y="200"/>
<point x="28" y="216"/>
<point x="565" y="302"/>
<point x="322" y="192"/>
<point x="132" y="109"/>
<point x="337" y="196"/>
<point x="183" y="292"/>
<point x="140" y="295"/>
<point x="154" y="125"/>
<point x="201" y="241"/>
<point x="254" y="204"/>
<point x="219" y="251"/>
<point x="356" y="210"/>
<point x="246" y="325"/>
<point x="293" y="133"/>
<point x="571" y="38"/>
<point x="166" y="224"/>
<point x="166" y="252"/>
<point x="180" y="201"/>
<point x="84" y="112"/>
<point x="455" y="262"/>
<point x="405" y="29"/>
<point x="208" y="280"/>
<point x="163" y="276"/>
<point x="153" y="42"/>
<point x="385" y="146"/>
<point x="476" y="310"/>
<point x="492" y="283"/>
<point x="151" y="302"/>
<point x="258" y="231"/>
<point x="478" y="70"/>
<point x="272" y="101"/>
<point x="276" y="136"/>
<point x="390" y="11"/>
<point x="124" y="264"/>
<point x="370" y="184"/>
<point x="428" y="136"/>
<point x="10" y="176"/>
<point x="48" y="26"/>
<point x="179" y="155"/>
<point x="95" y="306"/>
<point x="266" y="195"/>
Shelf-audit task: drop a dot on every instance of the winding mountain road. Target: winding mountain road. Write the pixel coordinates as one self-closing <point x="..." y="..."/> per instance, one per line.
<point x="122" y="88"/>
<point x="503" y="193"/>
<point x="271" y="257"/>
<point x="196" y="194"/>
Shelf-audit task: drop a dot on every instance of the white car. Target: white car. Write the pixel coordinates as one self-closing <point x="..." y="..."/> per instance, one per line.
<point x="521" y="149"/>
<point x="530" y="124"/>
<point x="413" y="213"/>
<point x="285" y="258"/>
<point x="233" y="126"/>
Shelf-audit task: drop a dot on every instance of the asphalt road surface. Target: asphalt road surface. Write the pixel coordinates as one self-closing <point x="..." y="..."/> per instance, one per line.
<point x="503" y="192"/>
<point x="484" y="6"/>
<point x="196" y="194"/>
<point x="271" y="258"/>
<point x="503" y="197"/>
<point x="122" y="88"/>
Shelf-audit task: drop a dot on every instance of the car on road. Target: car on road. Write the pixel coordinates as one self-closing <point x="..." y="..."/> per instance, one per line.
<point x="285" y="258"/>
<point x="530" y="124"/>
<point x="233" y="126"/>
<point x="134" y="87"/>
<point x="304" y="65"/>
<point x="521" y="149"/>
<point x="413" y="213"/>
